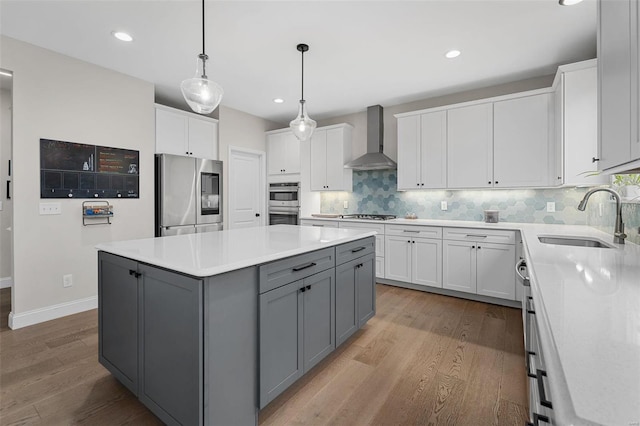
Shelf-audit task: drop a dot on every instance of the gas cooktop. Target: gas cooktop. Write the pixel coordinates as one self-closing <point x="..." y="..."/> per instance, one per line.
<point x="369" y="216"/>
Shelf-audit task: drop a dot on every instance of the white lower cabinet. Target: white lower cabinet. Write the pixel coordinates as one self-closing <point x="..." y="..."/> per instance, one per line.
<point x="412" y="258"/>
<point x="319" y="223"/>
<point x="368" y="226"/>
<point x="472" y="265"/>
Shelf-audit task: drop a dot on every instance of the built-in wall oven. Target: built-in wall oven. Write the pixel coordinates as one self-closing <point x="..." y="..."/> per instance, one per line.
<point x="284" y="203"/>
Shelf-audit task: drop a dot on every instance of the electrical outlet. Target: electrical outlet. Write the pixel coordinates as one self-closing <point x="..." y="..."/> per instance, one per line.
<point x="67" y="280"/>
<point x="600" y="209"/>
<point x="50" y="208"/>
<point x="345" y="204"/>
<point x="551" y="207"/>
<point x="443" y="205"/>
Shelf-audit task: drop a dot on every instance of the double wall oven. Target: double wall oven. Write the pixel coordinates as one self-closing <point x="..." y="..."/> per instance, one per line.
<point x="284" y="203"/>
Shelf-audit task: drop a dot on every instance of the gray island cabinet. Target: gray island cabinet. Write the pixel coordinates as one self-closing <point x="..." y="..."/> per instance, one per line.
<point x="204" y="341"/>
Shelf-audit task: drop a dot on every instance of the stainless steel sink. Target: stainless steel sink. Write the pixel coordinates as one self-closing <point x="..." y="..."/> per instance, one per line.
<point x="573" y="241"/>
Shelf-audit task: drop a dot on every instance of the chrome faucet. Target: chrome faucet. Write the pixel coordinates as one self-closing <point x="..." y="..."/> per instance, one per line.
<point x="618" y="232"/>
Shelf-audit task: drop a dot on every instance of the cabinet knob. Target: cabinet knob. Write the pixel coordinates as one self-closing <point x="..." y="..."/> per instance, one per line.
<point x="473" y="247"/>
<point x="422" y="184"/>
<point x="496" y="182"/>
<point x="257" y="214"/>
<point x="417" y="184"/>
<point x="489" y="182"/>
<point x="479" y="247"/>
<point x="408" y="241"/>
<point x="559" y="177"/>
<point x="594" y="159"/>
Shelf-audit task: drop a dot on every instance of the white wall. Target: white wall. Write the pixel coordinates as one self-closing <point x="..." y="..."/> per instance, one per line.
<point x="5" y="212"/>
<point x="239" y="129"/>
<point x="61" y="98"/>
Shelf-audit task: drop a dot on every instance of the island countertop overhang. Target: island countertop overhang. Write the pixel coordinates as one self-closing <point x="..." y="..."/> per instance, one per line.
<point x="213" y="253"/>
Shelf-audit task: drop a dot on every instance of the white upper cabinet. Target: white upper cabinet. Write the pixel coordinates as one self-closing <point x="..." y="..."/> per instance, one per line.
<point x="521" y="142"/>
<point x="577" y="124"/>
<point x="330" y="150"/>
<point x="422" y="151"/>
<point x="283" y="153"/>
<point x="182" y="133"/>
<point x="470" y="146"/>
<point x="618" y="85"/>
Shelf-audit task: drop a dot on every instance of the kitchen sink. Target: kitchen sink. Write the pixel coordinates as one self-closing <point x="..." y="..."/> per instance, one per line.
<point x="573" y="241"/>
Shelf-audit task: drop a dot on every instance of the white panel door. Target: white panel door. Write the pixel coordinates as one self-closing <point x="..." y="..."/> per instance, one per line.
<point x="171" y="133"/>
<point x="246" y="190"/>
<point x="521" y="142"/>
<point x="433" y="152"/>
<point x="459" y="265"/>
<point x="409" y="152"/>
<point x="335" y="160"/>
<point x="203" y="138"/>
<point x="426" y="262"/>
<point x="397" y="258"/>
<point x="318" y="164"/>
<point x="496" y="275"/>
<point x="470" y="146"/>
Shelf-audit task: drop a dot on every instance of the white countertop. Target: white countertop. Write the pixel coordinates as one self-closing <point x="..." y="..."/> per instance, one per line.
<point x="587" y="303"/>
<point x="212" y="253"/>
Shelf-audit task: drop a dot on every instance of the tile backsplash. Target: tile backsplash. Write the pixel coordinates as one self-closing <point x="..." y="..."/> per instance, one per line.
<point x="376" y="192"/>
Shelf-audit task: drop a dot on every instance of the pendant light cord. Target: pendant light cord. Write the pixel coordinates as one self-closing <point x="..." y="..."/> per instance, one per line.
<point x="203" y="27"/>
<point x="204" y="55"/>
<point x="302" y="90"/>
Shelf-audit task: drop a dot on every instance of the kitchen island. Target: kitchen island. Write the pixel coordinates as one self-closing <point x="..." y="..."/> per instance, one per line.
<point x="208" y="328"/>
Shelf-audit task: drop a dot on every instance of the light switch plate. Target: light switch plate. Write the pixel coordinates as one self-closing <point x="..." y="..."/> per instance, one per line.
<point x="443" y="205"/>
<point x="50" y="208"/>
<point x="345" y="204"/>
<point x="551" y="207"/>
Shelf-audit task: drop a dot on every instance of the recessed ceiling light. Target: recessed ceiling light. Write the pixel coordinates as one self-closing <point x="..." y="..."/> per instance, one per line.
<point x="6" y="73"/>
<point x="278" y="100"/>
<point x="452" y="54"/>
<point x="122" y="36"/>
<point x="568" y="2"/>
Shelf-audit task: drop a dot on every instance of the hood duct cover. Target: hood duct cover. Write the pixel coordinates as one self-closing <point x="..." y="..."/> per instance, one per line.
<point x="374" y="159"/>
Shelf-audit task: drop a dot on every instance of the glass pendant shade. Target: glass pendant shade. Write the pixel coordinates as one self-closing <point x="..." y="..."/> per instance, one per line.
<point x="202" y="95"/>
<point x="302" y="126"/>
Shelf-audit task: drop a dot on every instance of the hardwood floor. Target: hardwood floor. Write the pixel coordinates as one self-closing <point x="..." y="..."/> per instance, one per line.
<point x="423" y="359"/>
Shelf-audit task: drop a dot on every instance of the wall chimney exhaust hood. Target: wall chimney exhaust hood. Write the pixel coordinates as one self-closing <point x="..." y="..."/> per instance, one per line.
<point x="374" y="159"/>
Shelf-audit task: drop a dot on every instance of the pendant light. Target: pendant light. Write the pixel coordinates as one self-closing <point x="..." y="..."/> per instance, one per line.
<point x="202" y="94"/>
<point x="302" y="126"/>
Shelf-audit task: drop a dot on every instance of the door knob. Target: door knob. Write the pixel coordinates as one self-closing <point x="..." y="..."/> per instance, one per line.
<point x="257" y="214"/>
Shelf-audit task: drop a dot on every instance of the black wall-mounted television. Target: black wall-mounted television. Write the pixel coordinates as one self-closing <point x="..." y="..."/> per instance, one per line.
<point x="75" y="170"/>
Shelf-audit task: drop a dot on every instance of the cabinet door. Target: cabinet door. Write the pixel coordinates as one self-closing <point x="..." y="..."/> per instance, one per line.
<point x="291" y="154"/>
<point x="433" y="152"/>
<point x="318" y="163"/>
<point x="495" y="272"/>
<point x="335" y="161"/>
<point x="281" y="333"/>
<point x="275" y="153"/>
<point x="118" y="318"/>
<point x="459" y="266"/>
<point x="171" y="133"/>
<point x="319" y="317"/>
<point x="346" y="318"/>
<point x="409" y="152"/>
<point x="366" y="288"/>
<point x="615" y="37"/>
<point x="203" y="138"/>
<point x="426" y="262"/>
<point x="397" y="258"/>
<point x="470" y="147"/>
<point x="171" y="345"/>
<point x="521" y="142"/>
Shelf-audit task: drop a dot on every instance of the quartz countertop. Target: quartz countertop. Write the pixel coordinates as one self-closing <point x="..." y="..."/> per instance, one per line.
<point x="587" y="303"/>
<point x="212" y="253"/>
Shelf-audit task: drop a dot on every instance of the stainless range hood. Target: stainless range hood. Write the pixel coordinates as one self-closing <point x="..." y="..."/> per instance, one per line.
<point x="374" y="159"/>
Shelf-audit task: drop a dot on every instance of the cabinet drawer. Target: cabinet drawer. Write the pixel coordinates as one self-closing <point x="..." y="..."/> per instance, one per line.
<point x="354" y="249"/>
<point x="281" y="272"/>
<point x="414" y="231"/>
<point x="321" y="223"/>
<point x="481" y="235"/>
<point x="379" y="228"/>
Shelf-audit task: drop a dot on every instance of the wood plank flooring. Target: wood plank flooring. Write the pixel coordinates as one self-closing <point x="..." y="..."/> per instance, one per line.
<point x="424" y="359"/>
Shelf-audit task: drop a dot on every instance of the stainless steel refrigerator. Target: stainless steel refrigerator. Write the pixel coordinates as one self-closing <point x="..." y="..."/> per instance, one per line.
<point x="188" y="195"/>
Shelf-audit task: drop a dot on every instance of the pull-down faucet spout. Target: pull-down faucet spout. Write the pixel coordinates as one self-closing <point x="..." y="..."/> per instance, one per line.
<point x="618" y="233"/>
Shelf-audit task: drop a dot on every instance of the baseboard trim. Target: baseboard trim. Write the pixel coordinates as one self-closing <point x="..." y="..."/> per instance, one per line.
<point x="49" y="313"/>
<point x="6" y="282"/>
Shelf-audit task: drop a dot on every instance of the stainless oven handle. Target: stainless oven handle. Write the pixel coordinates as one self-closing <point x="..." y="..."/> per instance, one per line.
<point x="292" y="189"/>
<point x="284" y="213"/>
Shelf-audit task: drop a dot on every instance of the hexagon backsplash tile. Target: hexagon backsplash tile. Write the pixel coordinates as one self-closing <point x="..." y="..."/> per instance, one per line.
<point x="376" y="192"/>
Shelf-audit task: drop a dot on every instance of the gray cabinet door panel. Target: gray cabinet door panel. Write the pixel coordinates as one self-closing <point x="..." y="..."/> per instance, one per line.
<point x="349" y="251"/>
<point x="365" y="281"/>
<point x="319" y="317"/>
<point x="280" y="340"/>
<point x="171" y="348"/>
<point x="346" y="318"/>
<point x="118" y="318"/>
<point x="285" y="271"/>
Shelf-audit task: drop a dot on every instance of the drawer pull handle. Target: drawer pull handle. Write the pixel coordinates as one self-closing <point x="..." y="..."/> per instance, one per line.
<point x="300" y="268"/>
<point x="134" y="273"/>
<point x="314" y="224"/>
<point x="358" y="249"/>
<point x="529" y="310"/>
<point x="543" y="398"/>
<point x="529" y="373"/>
<point x="308" y="287"/>
<point x="302" y="290"/>
<point x="477" y="235"/>
<point x="537" y="418"/>
<point x="415" y="232"/>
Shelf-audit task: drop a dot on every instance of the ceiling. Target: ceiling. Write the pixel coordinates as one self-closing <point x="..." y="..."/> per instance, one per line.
<point x="361" y="52"/>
